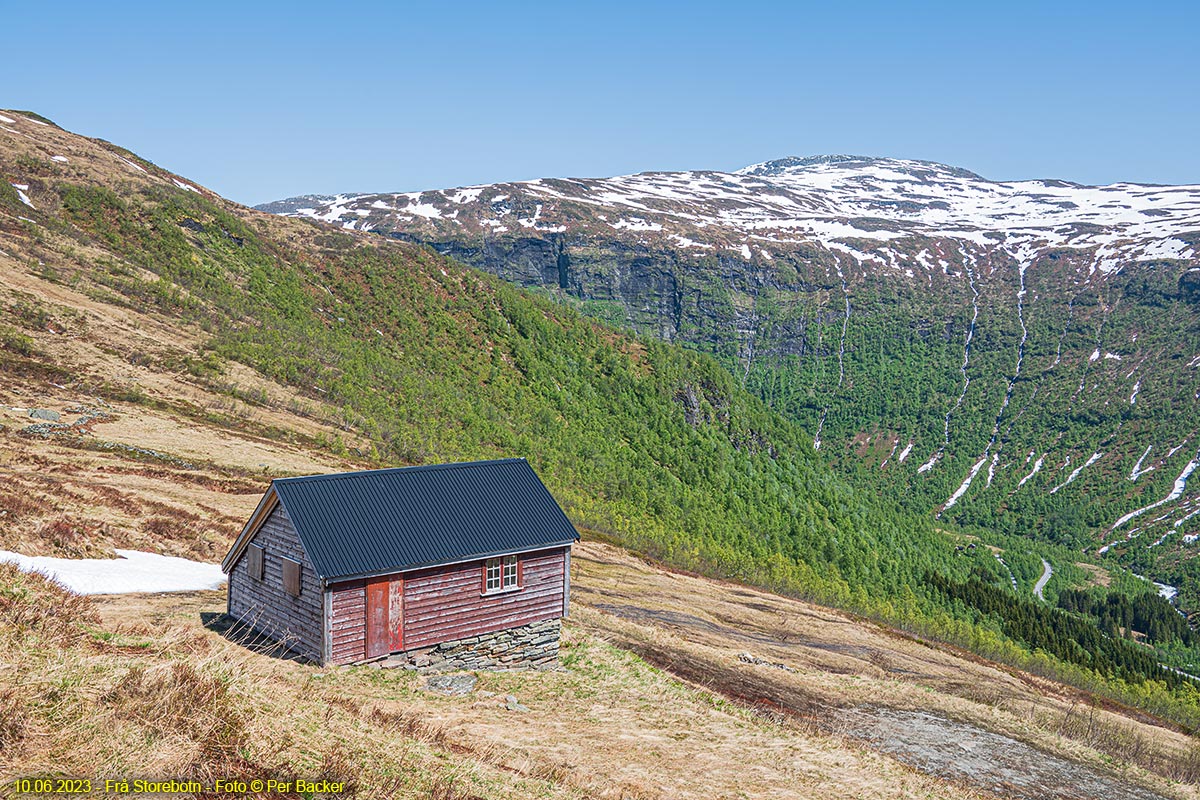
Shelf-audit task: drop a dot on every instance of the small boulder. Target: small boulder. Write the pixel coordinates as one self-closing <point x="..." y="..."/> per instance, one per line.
<point x="454" y="685"/>
<point x="46" y="414"/>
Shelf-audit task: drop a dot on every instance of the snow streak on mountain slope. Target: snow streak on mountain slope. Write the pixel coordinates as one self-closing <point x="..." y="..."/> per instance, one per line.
<point x="786" y="202"/>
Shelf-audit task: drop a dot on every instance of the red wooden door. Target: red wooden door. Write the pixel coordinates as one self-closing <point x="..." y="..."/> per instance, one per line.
<point x="379" y="614"/>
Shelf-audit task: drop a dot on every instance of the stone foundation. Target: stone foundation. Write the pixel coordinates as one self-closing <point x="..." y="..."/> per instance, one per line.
<point x="527" y="647"/>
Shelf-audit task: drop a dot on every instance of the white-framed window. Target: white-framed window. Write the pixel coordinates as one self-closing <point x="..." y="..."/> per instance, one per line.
<point x="500" y="574"/>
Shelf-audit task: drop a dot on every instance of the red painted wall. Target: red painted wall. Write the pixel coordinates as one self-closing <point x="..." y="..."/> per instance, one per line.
<point x="442" y="604"/>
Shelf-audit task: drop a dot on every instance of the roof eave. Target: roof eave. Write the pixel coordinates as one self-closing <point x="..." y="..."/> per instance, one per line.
<point x="265" y="506"/>
<point x="554" y="545"/>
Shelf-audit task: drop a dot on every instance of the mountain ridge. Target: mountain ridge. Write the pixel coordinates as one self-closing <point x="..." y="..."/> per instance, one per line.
<point x="780" y="165"/>
<point x="1038" y="335"/>
<point x="828" y="199"/>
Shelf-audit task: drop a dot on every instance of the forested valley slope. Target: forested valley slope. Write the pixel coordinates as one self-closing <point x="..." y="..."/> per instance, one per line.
<point x="1020" y="357"/>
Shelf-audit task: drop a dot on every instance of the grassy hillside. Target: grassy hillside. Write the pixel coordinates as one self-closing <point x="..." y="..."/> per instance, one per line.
<point x="156" y="686"/>
<point x="196" y="348"/>
<point x="424" y="360"/>
<point x="155" y="695"/>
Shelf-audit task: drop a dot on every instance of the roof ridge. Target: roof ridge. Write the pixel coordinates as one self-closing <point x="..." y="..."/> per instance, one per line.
<point x="389" y="520"/>
<point x="412" y="468"/>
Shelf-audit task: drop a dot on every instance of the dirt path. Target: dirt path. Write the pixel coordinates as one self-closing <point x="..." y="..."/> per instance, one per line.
<point x="965" y="753"/>
<point x="935" y="745"/>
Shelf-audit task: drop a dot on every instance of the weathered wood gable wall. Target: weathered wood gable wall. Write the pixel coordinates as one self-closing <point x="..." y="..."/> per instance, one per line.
<point x="265" y="605"/>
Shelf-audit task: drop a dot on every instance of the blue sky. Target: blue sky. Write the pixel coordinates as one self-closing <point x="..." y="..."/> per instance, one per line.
<point x="265" y="100"/>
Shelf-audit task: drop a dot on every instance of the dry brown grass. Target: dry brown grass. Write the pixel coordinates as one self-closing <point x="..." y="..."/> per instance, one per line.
<point x="163" y="697"/>
<point x="1099" y="575"/>
<point x="608" y="725"/>
<point x="697" y="627"/>
<point x="152" y="689"/>
<point x="34" y="608"/>
<point x="81" y="345"/>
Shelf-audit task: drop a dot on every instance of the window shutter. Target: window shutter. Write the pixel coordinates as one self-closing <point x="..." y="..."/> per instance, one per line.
<point x="291" y="576"/>
<point x="254" y="561"/>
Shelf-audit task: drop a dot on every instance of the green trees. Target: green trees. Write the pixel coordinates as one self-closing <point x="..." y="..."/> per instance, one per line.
<point x="658" y="447"/>
<point x="1099" y="648"/>
<point x="1147" y="613"/>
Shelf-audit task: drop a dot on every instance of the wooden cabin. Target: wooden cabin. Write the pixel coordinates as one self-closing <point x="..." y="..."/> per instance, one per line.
<point x="449" y="566"/>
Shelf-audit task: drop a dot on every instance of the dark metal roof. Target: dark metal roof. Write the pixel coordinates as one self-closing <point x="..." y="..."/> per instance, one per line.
<point x="386" y="520"/>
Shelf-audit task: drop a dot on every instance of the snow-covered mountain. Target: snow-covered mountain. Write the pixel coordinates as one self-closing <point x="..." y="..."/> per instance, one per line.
<point x="1023" y="355"/>
<point x="833" y="200"/>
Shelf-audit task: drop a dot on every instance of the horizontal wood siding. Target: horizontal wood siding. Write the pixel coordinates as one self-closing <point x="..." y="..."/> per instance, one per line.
<point x="348" y="624"/>
<point x="264" y="604"/>
<point x="442" y="604"/>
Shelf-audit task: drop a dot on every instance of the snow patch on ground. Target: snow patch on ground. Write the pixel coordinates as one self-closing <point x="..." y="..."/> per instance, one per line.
<point x="1075" y="474"/>
<point x="1176" y="492"/>
<point x="467" y="195"/>
<point x="129" y="163"/>
<point x="21" y="189"/>
<point x="134" y="571"/>
<point x="636" y="224"/>
<point x="1037" y="467"/>
<point x="184" y="185"/>
<point x="904" y="453"/>
<point x="1167" y="248"/>
<point x="966" y="484"/>
<point x="426" y="210"/>
<point x="1137" y="471"/>
<point x="686" y="242"/>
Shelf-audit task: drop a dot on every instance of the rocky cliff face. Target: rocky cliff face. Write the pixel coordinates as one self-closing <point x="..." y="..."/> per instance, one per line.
<point x="1023" y="355"/>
